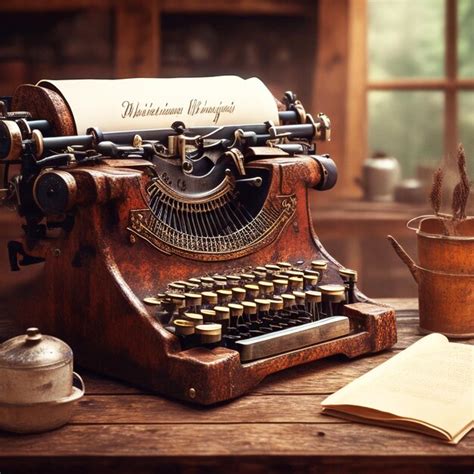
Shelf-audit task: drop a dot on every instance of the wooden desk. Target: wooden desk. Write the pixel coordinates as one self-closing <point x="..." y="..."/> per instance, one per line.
<point x="276" y="428"/>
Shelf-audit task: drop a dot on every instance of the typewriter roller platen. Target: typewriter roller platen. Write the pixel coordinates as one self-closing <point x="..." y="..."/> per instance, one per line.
<point x="182" y="259"/>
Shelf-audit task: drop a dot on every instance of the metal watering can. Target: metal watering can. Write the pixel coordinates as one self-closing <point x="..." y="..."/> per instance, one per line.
<point x="445" y="275"/>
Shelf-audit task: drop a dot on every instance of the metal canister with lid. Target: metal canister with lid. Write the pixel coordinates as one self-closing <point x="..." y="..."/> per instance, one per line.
<point x="36" y="383"/>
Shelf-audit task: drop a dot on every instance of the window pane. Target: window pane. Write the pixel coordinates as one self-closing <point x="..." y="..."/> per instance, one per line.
<point x="407" y="125"/>
<point x="406" y="38"/>
<point x="466" y="126"/>
<point x="466" y="38"/>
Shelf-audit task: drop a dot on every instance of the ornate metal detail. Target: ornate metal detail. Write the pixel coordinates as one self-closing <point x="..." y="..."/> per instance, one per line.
<point x="231" y="241"/>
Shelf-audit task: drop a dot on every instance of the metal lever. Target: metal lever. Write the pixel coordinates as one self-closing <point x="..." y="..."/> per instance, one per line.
<point x="16" y="248"/>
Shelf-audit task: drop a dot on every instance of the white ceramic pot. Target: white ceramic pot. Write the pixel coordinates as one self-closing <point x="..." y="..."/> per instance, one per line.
<point x="380" y="176"/>
<point x="36" y="383"/>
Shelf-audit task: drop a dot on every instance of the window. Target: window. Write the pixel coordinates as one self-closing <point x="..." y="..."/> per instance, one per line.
<point x="420" y="84"/>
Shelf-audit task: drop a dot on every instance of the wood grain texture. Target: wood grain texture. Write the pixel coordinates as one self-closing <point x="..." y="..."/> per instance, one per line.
<point x="277" y="428"/>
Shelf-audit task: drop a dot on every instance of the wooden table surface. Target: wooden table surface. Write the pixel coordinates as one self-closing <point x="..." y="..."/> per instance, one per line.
<point x="278" y="427"/>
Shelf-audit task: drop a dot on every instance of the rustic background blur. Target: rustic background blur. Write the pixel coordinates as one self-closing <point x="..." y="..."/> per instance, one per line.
<point x="396" y="76"/>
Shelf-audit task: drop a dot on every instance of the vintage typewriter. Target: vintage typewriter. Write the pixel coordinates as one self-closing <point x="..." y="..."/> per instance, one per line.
<point x="181" y="258"/>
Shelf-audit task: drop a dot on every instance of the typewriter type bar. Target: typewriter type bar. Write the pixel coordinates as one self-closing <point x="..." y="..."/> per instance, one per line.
<point x="293" y="338"/>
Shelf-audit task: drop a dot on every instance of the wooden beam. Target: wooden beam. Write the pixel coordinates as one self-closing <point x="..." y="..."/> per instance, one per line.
<point x="239" y="7"/>
<point x="330" y="81"/>
<point x="356" y="137"/>
<point x="137" y="38"/>
<point x="451" y="66"/>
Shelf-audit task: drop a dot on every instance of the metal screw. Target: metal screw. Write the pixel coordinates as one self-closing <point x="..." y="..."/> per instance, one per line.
<point x="132" y="239"/>
<point x="192" y="393"/>
<point x="57" y="252"/>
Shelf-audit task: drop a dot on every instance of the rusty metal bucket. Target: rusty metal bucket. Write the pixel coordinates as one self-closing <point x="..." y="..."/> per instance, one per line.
<point x="445" y="275"/>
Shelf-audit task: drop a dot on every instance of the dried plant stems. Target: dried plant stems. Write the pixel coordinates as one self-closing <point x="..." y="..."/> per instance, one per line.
<point x="460" y="194"/>
<point x="435" y="195"/>
<point x="462" y="189"/>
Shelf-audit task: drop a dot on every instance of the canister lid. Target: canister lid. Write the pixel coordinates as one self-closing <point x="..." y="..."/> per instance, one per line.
<point x="34" y="350"/>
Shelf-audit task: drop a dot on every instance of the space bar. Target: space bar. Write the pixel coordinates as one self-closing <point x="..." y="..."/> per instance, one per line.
<point x="292" y="338"/>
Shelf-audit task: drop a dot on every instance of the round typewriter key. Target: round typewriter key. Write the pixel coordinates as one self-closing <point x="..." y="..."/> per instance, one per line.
<point x="313" y="296"/>
<point x="250" y="307"/>
<point x="233" y="280"/>
<point x="319" y="264"/>
<point x="260" y="269"/>
<point x="222" y="312"/>
<point x="272" y="267"/>
<point x="259" y="275"/>
<point x="276" y="305"/>
<point x="224" y="296"/>
<point x="331" y="295"/>
<point x="195" y="318"/>
<point x="151" y="300"/>
<point x="190" y="286"/>
<point x="309" y="271"/>
<point x="251" y="292"/>
<point x="280" y="286"/>
<point x="293" y="273"/>
<point x="207" y="282"/>
<point x="209" y="334"/>
<point x="193" y="301"/>
<point x="177" y="300"/>
<point x="248" y="277"/>
<point x="238" y="294"/>
<point x="182" y="327"/>
<point x="310" y="281"/>
<point x="299" y="298"/>
<point x="284" y="265"/>
<point x="209" y="315"/>
<point x="348" y="275"/>
<point x="236" y="310"/>
<point x="265" y="288"/>
<point x="288" y="300"/>
<point x="222" y="317"/>
<point x="209" y="299"/>
<point x="177" y="287"/>
<point x="312" y="303"/>
<point x="296" y="283"/>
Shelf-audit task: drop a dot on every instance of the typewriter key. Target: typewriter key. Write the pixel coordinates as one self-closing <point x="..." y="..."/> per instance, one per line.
<point x="251" y="319"/>
<point x="195" y="318"/>
<point x="247" y="277"/>
<point x="293" y="273"/>
<point x="209" y="335"/>
<point x="207" y="282"/>
<point x="332" y="295"/>
<point x="299" y="299"/>
<point x="224" y="297"/>
<point x="309" y="271"/>
<point x="272" y="267"/>
<point x="238" y="295"/>
<point x="290" y="312"/>
<point x="151" y="300"/>
<point x="280" y="286"/>
<point x="195" y="281"/>
<point x="222" y="317"/>
<point x="236" y="319"/>
<point x="182" y="327"/>
<point x="310" y="282"/>
<point x="177" y="287"/>
<point x="232" y="281"/>
<point x="209" y="299"/>
<point x="276" y="306"/>
<point x="313" y="303"/>
<point x="193" y="302"/>
<point x="263" y="316"/>
<point x="265" y="289"/>
<point x="349" y="278"/>
<point x="296" y="283"/>
<point x="208" y="315"/>
<point x="251" y="292"/>
<point x="284" y="265"/>
<point x="319" y="265"/>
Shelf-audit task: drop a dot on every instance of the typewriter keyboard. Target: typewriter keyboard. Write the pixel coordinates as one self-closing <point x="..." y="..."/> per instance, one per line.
<point x="265" y="311"/>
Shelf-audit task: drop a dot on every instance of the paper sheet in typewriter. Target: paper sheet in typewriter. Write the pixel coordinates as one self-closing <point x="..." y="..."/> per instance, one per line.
<point x="124" y="104"/>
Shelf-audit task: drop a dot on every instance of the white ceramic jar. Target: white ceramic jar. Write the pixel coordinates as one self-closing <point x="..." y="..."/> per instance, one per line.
<point x="380" y="176"/>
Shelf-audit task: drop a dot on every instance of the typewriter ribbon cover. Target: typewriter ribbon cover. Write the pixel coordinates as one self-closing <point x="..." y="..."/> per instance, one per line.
<point x="142" y="103"/>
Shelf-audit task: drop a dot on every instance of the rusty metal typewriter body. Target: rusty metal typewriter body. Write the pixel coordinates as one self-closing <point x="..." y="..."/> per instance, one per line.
<point x="182" y="260"/>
